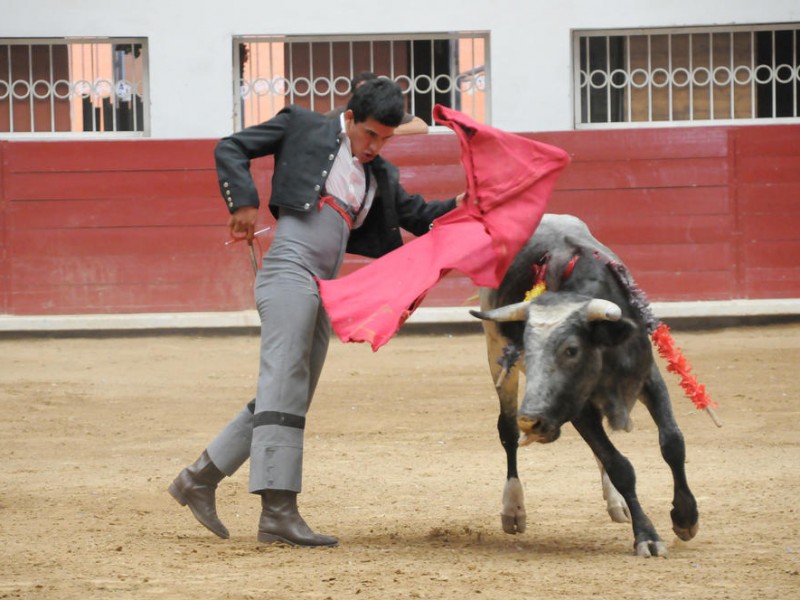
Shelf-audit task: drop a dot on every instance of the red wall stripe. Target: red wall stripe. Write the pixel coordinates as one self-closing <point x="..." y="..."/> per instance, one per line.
<point x="698" y="213"/>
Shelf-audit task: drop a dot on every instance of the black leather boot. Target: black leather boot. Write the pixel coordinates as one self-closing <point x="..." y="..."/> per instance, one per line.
<point x="280" y="522"/>
<point x="196" y="486"/>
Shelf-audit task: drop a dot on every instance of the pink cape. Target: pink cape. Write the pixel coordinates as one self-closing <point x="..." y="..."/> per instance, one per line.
<point x="509" y="180"/>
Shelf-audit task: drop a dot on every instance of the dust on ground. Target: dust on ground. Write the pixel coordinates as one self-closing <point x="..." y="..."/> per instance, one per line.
<point x="402" y="463"/>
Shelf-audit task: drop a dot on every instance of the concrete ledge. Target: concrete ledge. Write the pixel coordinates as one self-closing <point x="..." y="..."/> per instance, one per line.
<point x="713" y="310"/>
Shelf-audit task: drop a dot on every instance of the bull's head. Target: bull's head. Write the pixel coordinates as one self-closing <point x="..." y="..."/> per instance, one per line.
<point x="565" y="339"/>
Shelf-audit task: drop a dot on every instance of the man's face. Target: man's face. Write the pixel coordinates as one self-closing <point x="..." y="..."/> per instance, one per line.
<point x="366" y="138"/>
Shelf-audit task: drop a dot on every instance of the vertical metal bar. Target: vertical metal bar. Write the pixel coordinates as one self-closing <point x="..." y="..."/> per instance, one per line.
<point x="83" y="74"/>
<point x="608" y="78"/>
<point x="240" y="117"/>
<point x="391" y="60"/>
<point x="134" y="86"/>
<point x="629" y="87"/>
<point x="331" y="77"/>
<point x="352" y="65"/>
<point x="650" y="80"/>
<point x="711" y="75"/>
<point x="291" y="72"/>
<point x="669" y="74"/>
<point x="454" y="41"/>
<point x="412" y="72"/>
<point x="691" y="77"/>
<point x="92" y="51"/>
<point x="794" y="68"/>
<point x="114" y="58"/>
<point x="312" y="92"/>
<point x="487" y="78"/>
<point x="752" y="74"/>
<point x="588" y="79"/>
<point x="30" y="87"/>
<point x="433" y="72"/>
<point x="272" y="96"/>
<point x="52" y="88"/>
<point x="732" y="66"/>
<point x="474" y="86"/>
<point x="10" y="91"/>
<point x="774" y="79"/>
<point x="251" y="106"/>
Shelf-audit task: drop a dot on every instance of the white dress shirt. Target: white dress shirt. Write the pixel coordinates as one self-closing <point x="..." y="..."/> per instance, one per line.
<point x="347" y="180"/>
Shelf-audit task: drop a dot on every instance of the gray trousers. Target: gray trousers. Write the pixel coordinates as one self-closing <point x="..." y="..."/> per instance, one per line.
<point x="294" y="342"/>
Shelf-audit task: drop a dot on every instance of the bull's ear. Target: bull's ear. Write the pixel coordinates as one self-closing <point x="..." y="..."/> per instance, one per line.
<point x="611" y="333"/>
<point x="512" y="312"/>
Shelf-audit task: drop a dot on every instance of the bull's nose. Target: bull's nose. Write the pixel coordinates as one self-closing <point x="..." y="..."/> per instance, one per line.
<point x="537" y="429"/>
<point x="526" y="424"/>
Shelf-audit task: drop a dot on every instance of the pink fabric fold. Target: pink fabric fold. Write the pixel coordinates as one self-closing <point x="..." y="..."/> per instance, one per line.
<point x="509" y="180"/>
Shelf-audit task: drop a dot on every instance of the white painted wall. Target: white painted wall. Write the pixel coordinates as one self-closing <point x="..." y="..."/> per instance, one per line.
<point x="190" y="42"/>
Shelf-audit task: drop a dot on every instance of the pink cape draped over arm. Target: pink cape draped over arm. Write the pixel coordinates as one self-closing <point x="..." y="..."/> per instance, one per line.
<point x="509" y="179"/>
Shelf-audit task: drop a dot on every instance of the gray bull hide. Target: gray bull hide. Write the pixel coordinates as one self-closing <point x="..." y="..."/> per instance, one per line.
<point x="587" y="355"/>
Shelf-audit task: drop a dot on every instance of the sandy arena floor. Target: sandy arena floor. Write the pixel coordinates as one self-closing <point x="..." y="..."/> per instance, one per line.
<point x="402" y="463"/>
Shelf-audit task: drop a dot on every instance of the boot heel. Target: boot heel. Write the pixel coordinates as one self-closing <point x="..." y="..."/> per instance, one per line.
<point x="269" y="538"/>
<point x="176" y="493"/>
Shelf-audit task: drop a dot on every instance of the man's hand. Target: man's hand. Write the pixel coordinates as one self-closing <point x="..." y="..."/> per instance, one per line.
<point x="243" y="222"/>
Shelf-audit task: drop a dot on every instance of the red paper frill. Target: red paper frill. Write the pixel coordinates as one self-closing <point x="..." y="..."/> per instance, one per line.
<point x="677" y="363"/>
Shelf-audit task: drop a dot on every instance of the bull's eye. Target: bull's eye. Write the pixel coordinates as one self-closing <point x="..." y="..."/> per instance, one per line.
<point x="571" y="351"/>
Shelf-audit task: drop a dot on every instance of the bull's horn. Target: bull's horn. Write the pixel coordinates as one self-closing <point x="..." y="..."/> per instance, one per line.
<point x="602" y="310"/>
<point x="511" y="312"/>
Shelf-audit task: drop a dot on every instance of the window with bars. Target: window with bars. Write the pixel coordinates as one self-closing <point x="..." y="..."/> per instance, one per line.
<point x="687" y="75"/>
<point x="68" y="85"/>
<point x="315" y="72"/>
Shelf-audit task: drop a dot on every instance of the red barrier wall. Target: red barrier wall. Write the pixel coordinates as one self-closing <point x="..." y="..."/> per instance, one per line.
<point x="138" y="226"/>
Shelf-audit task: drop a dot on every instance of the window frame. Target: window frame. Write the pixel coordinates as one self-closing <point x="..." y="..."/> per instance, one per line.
<point x="578" y="92"/>
<point x="341" y="82"/>
<point x="144" y="95"/>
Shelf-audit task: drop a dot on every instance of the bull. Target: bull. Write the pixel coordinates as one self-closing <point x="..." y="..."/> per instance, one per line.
<point x="583" y="345"/>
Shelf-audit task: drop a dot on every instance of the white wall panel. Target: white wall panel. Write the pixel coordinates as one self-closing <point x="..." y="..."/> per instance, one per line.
<point x="190" y="42"/>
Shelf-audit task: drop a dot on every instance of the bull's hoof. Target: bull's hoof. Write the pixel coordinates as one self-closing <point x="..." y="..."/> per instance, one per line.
<point x="649" y="548"/>
<point x="513" y="524"/>
<point x="686" y="533"/>
<point x="685" y="519"/>
<point x="513" y="516"/>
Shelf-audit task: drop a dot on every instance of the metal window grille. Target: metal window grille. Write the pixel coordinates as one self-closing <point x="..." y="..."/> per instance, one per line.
<point x="690" y="75"/>
<point x="315" y="72"/>
<point x="66" y="85"/>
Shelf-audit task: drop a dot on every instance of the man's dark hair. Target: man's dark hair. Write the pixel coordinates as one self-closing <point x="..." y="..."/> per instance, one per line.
<point x="380" y="99"/>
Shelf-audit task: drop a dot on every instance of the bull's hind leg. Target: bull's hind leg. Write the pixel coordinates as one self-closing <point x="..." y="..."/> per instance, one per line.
<point x="513" y="516"/>
<point x="684" y="506"/>
<point x="590" y="426"/>
<point x="615" y="503"/>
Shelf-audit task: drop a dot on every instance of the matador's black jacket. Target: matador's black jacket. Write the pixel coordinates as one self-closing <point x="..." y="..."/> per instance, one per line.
<point x="305" y="144"/>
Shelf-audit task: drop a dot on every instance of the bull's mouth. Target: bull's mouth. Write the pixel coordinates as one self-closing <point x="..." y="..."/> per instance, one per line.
<point x="536" y="430"/>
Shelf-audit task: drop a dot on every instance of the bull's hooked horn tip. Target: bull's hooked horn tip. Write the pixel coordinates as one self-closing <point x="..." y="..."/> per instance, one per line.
<point x="477" y="313"/>
<point x="603" y="310"/>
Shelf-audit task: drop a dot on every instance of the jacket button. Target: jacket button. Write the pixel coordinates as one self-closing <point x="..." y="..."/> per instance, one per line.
<point x="317" y="188"/>
<point x="331" y="157"/>
<point x="225" y="184"/>
<point x="306" y="206"/>
<point x="324" y="173"/>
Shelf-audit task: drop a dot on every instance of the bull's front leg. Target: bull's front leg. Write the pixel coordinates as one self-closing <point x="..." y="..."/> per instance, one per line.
<point x="673" y="449"/>
<point x="512" y="516"/>
<point x="646" y="541"/>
